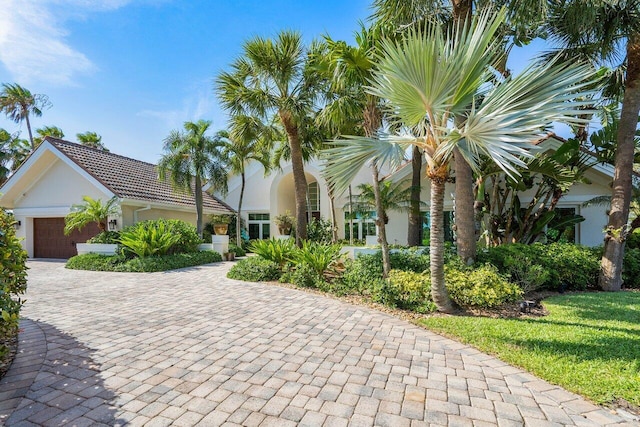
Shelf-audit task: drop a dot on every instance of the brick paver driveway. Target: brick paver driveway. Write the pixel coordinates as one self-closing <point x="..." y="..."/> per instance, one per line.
<point x="192" y="347"/>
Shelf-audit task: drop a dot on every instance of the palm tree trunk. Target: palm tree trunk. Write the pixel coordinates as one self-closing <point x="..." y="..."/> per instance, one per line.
<point x="26" y="118"/>
<point x="350" y="217"/>
<point x="415" y="220"/>
<point x="380" y="214"/>
<point x="334" y="225"/>
<point x="239" y="216"/>
<point x="464" y="210"/>
<point x="611" y="269"/>
<point x="436" y="247"/>
<point x="198" y="190"/>
<point x="299" y="178"/>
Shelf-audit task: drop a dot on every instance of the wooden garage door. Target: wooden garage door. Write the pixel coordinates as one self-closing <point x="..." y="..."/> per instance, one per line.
<point x="49" y="240"/>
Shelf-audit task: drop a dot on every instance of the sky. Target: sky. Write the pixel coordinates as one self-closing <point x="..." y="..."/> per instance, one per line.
<point x="133" y="70"/>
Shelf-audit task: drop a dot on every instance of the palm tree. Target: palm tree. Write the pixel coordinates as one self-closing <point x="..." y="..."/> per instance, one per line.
<point x="191" y="159"/>
<point x="350" y="69"/>
<point x="92" y="210"/>
<point x="429" y="79"/>
<point x="271" y="78"/>
<point x="239" y="147"/>
<point x="599" y="30"/>
<point x="18" y="103"/>
<point x="45" y="131"/>
<point x="91" y="139"/>
<point x="13" y="151"/>
<point x="394" y="197"/>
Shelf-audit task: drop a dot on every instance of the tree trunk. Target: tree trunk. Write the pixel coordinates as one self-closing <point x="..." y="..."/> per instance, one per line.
<point x="198" y="190"/>
<point x="611" y="269"/>
<point x="415" y="219"/>
<point x="334" y="224"/>
<point x="464" y="210"/>
<point x="350" y="217"/>
<point x="436" y="248"/>
<point x="380" y="214"/>
<point x="26" y="118"/>
<point x="239" y="216"/>
<point x="299" y="178"/>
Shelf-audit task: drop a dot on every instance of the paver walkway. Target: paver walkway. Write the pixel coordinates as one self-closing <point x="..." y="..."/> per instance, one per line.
<point x="194" y="348"/>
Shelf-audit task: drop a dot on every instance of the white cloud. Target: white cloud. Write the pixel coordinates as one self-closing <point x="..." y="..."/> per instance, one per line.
<point x="33" y="44"/>
<point x="196" y="106"/>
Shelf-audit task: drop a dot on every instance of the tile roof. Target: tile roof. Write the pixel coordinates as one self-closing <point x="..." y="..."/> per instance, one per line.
<point x="129" y="178"/>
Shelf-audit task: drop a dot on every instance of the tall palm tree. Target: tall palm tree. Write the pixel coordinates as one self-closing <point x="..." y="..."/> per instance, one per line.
<point x="13" y="151"/>
<point x="600" y="30"/>
<point x="350" y="69"/>
<point x="241" y="146"/>
<point x="91" y="139"/>
<point x="271" y="78"/>
<point x="45" y="131"/>
<point x="18" y="103"/>
<point x="430" y="78"/>
<point x="191" y="159"/>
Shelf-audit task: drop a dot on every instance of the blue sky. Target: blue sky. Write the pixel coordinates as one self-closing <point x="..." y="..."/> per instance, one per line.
<point x="133" y="70"/>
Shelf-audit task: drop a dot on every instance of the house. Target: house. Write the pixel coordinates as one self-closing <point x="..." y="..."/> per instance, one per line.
<point x="268" y="196"/>
<point x="59" y="173"/>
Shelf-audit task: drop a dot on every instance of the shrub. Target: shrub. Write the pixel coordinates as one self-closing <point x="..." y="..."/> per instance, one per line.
<point x="633" y="240"/>
<point x="239" y="251"/>
<point x="106" y="237"/>
<point x="479" y="286"/>
<point x="255" y="269"/>
<point x="189" y="239"/>
<point x="278" y="251"/>
<point x="96" y="262"/>
<point x="527" y="274"/>
<point x="406" y="289"/>
<point x="631" y="268"/>
<point x="320" y="231"/>
<point x="304" y="276"/>
<point x="567" y="265"/>
<point x="13" y="278"/>
<point x="409" y="260"/>
<point x="317" y="256"/>
<point x="362" y="274"/>
<point x="148" y="238"/>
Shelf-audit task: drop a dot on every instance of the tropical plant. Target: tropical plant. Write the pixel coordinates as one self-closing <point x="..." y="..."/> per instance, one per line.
<point x="91" y="139"/>
<point x="599" y="31"/>
<point x="190" y="159"/>
<point x="18" y="103"/>
<point x="149" y="238"/>
<point x="429" y="79"/>
<point x="45" y="131"/>
<point x="394" y="196"/>
<point x="92" y="210"/>
<point x="319" y="257"/>
<point x="284" y="222"/>
<point x="239" y="147"/>
<point x="278" y="251"/>
<point x="271" y="78"/>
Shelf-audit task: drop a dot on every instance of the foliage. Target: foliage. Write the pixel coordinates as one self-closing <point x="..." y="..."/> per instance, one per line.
<point x="319" y="257"/>
<point x="284" y="220"/>
<point x="220" y="219"/>
<point x="91" y="139"/>
<point x="255" y="269"/>
<point x="106" y="237"/>
<point x="320" y="231"/>
<point x="97" y="262"/>
<point x="597" y="335"/>
<point x="394" y="196"/>
<point x="631" y="269"/>
<point x="480" y="286"/>
<point x="278" y="251"/>
<point x="91" y="210"/>
<point x="566" y="266"/>
<point x="633" y="240"/>
<point x="407" y="290"/>
<point x="238" y="250"/>
<point x="304" y="276"/>
<point x="18" y="103"/>
<point x="13" y="278"/>
<point x="148" y="238"/>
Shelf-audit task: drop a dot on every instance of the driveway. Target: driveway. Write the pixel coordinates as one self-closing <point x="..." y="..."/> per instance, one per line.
<point x="192" y="347"/>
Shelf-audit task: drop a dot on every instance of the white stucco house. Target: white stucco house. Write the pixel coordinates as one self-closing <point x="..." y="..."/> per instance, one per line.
<point x="271" y="195"/>
<point x="59" y="173"/>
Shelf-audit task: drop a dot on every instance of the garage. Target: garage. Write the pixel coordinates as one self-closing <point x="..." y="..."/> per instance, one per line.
<point x="49" y="240"/>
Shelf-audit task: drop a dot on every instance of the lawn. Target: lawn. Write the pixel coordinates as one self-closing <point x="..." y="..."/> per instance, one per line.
<point x="589" y="343"/>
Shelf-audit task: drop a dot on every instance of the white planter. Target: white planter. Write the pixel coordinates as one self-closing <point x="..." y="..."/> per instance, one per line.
<point x="220" y="244"/>
<point x="96" y="248"/>
<point x="205" y="247"/>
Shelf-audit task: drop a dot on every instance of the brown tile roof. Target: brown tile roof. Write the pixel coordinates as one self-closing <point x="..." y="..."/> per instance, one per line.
<point x="130" y="178"/>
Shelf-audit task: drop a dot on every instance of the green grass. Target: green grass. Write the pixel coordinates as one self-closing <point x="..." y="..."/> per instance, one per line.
<point x="589" y="343"/>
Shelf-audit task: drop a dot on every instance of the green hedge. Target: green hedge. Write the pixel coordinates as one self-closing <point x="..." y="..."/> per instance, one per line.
<point x="96" y="262"/>
<point x="255" y="269"/>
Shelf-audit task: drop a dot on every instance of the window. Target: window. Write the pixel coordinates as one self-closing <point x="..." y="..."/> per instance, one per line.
<point x="363" y="225"/>
<point x="313" y="193"/>
<point x="425" y="231"/>
<point x="259" y="226"/>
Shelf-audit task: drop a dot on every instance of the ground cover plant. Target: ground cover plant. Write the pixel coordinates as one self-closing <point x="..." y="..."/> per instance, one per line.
<point x="96" y="262"/>
<point x="589" y="343"/>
